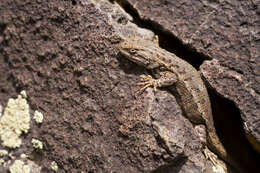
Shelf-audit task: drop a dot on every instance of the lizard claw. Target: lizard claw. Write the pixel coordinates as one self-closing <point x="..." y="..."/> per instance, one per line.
<point x="142" y="89"/>
<point x="211" y="156"/>
<point x="147" y="81"/>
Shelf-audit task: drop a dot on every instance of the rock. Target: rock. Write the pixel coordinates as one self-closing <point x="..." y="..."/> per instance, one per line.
<point x="64" y="54"/>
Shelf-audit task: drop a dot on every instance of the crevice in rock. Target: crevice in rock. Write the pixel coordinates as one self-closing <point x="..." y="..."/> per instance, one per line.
<point x="166" y="39"/>
<point x="229" y="127"/>
<point x="73" y="2"/>
<point x="227" y="117"/>
<point x="2" y="28"/>
<point x="174" y="166"/>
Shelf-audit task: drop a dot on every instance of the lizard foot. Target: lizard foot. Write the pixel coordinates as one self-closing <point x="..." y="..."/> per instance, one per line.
<point x="147" y="81"/>
<point x="218" y="165"/>
<point x="211" y="156"/>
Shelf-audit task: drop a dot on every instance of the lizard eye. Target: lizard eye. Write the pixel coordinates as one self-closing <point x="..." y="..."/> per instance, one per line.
<point x="132" y="50"/>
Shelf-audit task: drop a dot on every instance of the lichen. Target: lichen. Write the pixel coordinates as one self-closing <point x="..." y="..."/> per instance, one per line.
<point x="19" y="167"/>
<point x="2" y="161"/>
<point x="37" y="144"/>
<point x="15" y="120"/>
<point x="54" y="166"/>
<point x="38" y="117"/>
<point x="23" y="94"/>
<point x="23" y="156"/>
<point x="3" y="153"/>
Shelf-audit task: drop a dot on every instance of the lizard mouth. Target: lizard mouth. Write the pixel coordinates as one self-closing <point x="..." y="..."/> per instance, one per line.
<point x="137" y="59"/>
<point x="124" y="53"/>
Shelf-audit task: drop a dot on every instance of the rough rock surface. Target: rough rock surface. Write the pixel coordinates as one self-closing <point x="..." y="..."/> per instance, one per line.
<point x="63" y="53"/>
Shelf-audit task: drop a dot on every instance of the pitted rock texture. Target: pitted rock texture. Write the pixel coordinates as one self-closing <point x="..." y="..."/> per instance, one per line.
<point x="121" y="21"/>
<point x="63" y="53"/>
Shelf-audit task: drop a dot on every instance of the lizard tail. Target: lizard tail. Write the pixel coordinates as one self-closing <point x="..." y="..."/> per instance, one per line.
<point x="216" y="146"/>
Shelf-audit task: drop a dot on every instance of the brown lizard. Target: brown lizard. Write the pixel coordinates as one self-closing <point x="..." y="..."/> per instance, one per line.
<point x="181" y="78"/>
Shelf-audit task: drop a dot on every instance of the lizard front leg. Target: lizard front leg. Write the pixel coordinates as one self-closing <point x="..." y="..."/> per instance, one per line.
<point x="165" y="79"/>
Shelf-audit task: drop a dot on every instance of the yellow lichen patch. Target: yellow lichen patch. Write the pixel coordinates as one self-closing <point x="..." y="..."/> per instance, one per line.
<point x="2" y="161"/>
<point x="23" y="94"/>
<point x="37" y="144"/>
<point x="38" y="117"/>
<point x="19" y="167"/>
<point x="54" y="166"/>
<point x="3" y="153"/>
<point x="23" y="156"/>
<point x="15" y="120"/>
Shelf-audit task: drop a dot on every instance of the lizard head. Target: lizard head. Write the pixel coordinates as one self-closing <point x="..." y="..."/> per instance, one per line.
<point x="140" y="51"/>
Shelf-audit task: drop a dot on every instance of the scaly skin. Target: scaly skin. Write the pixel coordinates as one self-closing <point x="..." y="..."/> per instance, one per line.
<point x="181" y="78"/>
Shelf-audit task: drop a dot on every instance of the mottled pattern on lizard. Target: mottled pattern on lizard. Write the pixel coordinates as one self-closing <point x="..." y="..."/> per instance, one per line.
<point x="180" y="77"/>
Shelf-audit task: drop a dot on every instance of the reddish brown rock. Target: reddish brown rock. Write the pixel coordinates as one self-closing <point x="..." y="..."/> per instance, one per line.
<point x="63" y="53"/>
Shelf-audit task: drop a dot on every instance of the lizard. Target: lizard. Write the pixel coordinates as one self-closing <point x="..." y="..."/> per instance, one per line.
<point x="181" y="78"/>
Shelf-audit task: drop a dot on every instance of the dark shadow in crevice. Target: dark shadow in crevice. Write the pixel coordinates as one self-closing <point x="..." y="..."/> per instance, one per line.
<point x="2" y="28"/>
<point x="3" y="42"/>
<point x="175" y="166"/>
<point x="229" y="127"/>
<point x="166" y="39"/>
<point x="74" y="2"/>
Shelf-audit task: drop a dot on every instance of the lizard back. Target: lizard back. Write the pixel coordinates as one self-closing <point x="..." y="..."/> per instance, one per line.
<point x="189" y="89"/>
